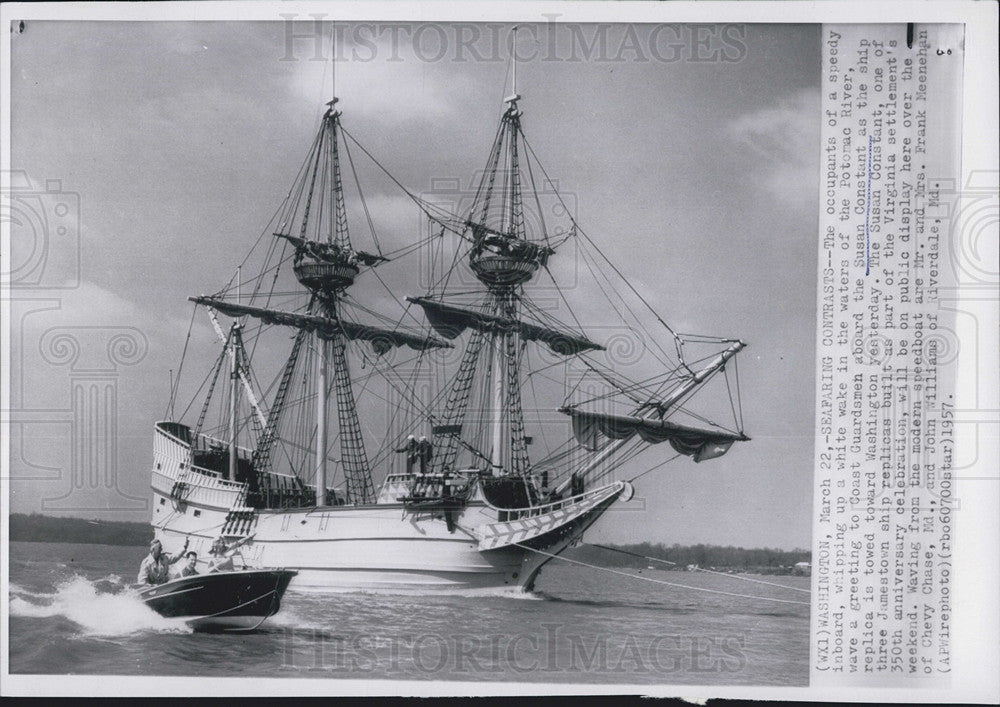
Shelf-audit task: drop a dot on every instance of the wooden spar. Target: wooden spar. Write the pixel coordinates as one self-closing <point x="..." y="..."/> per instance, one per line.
<point x="696" y="380"/>
<point x="247" y="388"/>
<point x="234" y="392"/>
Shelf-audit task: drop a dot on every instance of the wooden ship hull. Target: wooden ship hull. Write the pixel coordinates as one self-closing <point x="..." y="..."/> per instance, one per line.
<point x="388" y="545"/>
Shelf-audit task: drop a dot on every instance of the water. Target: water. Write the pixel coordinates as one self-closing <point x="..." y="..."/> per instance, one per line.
<point x="71" y="613"/>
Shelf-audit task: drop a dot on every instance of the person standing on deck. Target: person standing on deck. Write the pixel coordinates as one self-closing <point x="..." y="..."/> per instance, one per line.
<point x="425" y="451"/>
<point x="410" y="448"/>
<point x="155" y="568"/>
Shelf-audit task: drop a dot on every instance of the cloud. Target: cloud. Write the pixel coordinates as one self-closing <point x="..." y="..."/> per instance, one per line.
<point x="90" y="306"/>
<point x="363" y="80"/>
<point x="782" y="140"/>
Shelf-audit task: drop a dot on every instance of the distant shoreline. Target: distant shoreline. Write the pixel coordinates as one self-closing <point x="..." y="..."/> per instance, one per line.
<point x="55" y="529"/>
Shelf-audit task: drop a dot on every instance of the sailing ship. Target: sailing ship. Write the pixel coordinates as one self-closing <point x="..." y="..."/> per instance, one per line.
<point x="463" y="498"/>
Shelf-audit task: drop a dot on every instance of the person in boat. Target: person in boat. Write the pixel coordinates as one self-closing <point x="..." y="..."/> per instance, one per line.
<point x="220" y="562"/>
<point x="411" y="449"/>
<point x="190" y="568"/>
<point x="155" y="568"/>
<point x="223" y="554"/>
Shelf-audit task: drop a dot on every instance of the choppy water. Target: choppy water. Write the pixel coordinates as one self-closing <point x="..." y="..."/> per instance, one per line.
<point x="70" y="614"/>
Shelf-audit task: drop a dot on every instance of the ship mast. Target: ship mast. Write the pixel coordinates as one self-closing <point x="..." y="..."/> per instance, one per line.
<point x="313" y="220"/>
<point x="234" y="390"/>
<point x="326" y="264"/>
<point x="327" y="271"/>
<point x="498" y="364"/>
<point x="503" y="258"/>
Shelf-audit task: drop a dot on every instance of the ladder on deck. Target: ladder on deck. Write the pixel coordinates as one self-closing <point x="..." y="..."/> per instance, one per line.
<point x="240" y="520"/>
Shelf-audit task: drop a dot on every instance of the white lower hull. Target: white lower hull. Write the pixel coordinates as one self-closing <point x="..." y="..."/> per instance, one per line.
<point x="371" y="548"/>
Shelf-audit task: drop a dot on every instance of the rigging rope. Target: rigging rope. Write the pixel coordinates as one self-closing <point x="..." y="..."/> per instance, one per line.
<point x="580" y="231"/>
<point x="422" y="204"/>
<point x="180" y="368"/>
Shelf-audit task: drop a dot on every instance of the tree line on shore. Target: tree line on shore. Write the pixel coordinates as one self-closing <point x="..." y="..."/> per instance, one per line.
<point x="58" y="529"/>
<point x="41" y="528"/>
<point x="680" y="557"/>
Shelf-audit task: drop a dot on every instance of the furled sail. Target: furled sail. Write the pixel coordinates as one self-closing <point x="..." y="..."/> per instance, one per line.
<point x="449" y="321"/>
<point x="589" y="427"/>
<point x="485" y="238"/>
<point x="330" y="252"/>
<point x="381" y="339"/>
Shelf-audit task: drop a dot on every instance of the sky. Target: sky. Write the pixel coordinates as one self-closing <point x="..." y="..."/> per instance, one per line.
<point x="163" y="149"/>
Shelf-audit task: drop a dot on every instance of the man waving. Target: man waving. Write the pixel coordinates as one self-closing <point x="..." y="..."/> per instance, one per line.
<point x="155" y="568"/>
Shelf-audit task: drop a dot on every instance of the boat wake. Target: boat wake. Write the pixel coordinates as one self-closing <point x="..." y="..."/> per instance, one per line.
<point x="484" y="592"/>
<point x="652" y="605"/>
<point x="100" y="608"/>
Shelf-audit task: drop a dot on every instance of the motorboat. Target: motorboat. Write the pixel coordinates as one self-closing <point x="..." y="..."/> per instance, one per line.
<point x="235" y="601"/>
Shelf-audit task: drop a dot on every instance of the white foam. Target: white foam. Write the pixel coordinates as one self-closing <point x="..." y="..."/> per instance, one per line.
<point x="18" y="589"/>
<point x="97" y="613"/>
<point x="410" y="591"/>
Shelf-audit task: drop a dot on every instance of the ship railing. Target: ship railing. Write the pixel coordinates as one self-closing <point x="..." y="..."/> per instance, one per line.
<point x="178" y="470"/>
<point x="399" y="484"/>
<point x="175" y="440"/>
<point x="206" y="443"/>
<point x="279" y="498"/>
<point x="508" y="514"/>
<point x="207" y="478"/>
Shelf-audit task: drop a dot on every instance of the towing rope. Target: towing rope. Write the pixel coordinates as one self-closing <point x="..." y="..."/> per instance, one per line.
<point x="660" y="581"/>
<point x="701" y="569"/>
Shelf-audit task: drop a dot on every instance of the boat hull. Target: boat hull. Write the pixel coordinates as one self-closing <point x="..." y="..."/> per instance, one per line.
<point x="383" y="546"/>
<point x="387" y="548"/>
<point x="222" y="601"/>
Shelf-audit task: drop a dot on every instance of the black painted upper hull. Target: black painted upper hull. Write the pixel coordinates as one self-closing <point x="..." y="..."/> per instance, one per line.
<point x="221" y="601"/>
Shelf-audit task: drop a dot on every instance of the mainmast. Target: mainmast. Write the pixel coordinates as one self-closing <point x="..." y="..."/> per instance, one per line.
<point x="509" y="217"/>
<point x="326" y="264"/>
